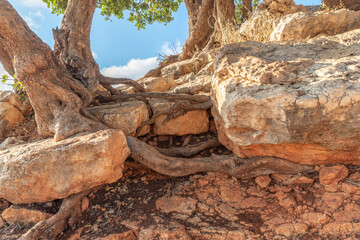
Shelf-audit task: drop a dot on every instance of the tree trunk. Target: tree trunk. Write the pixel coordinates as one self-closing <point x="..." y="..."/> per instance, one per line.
<point x="207" y="20"/>
<point x="57" y="98"/>
<point x="247" y="9"/>
<point x="350" y="4"/>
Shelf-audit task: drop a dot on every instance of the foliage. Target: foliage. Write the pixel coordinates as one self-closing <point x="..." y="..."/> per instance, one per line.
<point x="141" y="12"/>
<point x="17" y="85"/>
<point x="239" y="8"/>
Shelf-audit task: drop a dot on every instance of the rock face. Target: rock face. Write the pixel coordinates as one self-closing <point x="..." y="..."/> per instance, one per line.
<point x="48" y="170"/>
<point x="193" y="122"/>
<point x="298" y="101"/>
<point x="303" y="25"/>
<point x="126" y="116"/>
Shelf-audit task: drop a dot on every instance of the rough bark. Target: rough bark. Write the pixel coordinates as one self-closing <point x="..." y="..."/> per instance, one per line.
<point x="350" y="4"/>
<point x="207" y="20"/>
<point x="247" y="9"/>
<point x="232" y="165"/>
<point x="57" y="98"/>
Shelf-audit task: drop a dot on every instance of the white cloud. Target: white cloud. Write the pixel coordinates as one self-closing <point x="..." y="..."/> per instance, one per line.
<point x="134" y="69"/>
<point x="3" y="86"/>
<point x="32" y="24"/>
<point x="94" y="55"/>
<point x="37" y="14"/>
<point x="33" y="3"/>
<point x="171" y="48"/>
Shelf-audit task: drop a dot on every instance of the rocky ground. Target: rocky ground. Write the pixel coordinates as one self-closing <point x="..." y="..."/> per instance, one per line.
<point x="324" y="204"/>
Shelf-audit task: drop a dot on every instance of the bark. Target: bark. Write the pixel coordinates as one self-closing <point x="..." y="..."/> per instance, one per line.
<point x="247" y="9"/>
<point x="350" y="4"/>
<point x="232" y="165"/>
<point x="207" y="20"/>
<point x="57" y="98"/>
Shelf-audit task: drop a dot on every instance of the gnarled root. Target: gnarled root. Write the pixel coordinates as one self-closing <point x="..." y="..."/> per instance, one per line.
<point x="70" y="211"/>
<point x="232" y="165"/>
<point x="189" y="150"/>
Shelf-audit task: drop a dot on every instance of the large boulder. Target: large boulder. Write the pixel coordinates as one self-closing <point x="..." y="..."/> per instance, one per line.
<point x="46" y="170"/>
<point x="126" y="116"/>
<point x="192" y="122"/>
<point x="299" y="102"/>
<point x="11" y="114"/>
<point x="306" y="25"/>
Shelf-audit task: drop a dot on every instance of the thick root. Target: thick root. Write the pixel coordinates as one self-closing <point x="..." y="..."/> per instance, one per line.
<point x="189" y="150"/>
<point x="232" y="165"/>
<point x="70" y="211"/>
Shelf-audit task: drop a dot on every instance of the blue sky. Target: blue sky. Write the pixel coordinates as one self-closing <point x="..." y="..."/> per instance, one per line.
<point x="118" y="47"/>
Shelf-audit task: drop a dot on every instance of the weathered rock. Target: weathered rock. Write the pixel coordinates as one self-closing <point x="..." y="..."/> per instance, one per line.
<point x="193" y="122"/>
<point x="23" y="215"/>
<point x="266" y="17"/>
<point x="11" y="114"/>
<point x="157" y="84"/>
<point x="263" y="181"/>
<point x="14" y="100"/>
<point x="46" y="170"/>
<point x="177" y="204"/>
<point x="333" y="175"/>
<point x="281" y="7"/>
<point x="315" y="218"/>
<point x="126" y="116"/>
<point x="294" y="101"/>
<point x="128" y="235"/>
<point x="289" y="229"/>
<point x="302" y="25"/>
<point x="164" y="230"/>
<point x="10" y="141"/>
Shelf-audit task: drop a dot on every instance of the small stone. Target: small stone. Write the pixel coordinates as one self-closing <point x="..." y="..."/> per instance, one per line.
<point x="289" y="229"/>
<point x="85" y="202"/>
<point x="128" y="235"/>
<point x="314" y="218"/>
<point x="263" y="181"/>
<point x="333" y="175"/>
<point x="177" y="204"/>
<point x="163" y="138"/>
<point x="17" y="214"/>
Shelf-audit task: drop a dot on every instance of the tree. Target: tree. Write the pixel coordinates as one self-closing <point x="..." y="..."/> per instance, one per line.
<point x="207" y="19"/>
<point x="60" y="84"/>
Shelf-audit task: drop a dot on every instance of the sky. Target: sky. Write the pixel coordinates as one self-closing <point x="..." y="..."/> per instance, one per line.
<point x="118" y="47"/>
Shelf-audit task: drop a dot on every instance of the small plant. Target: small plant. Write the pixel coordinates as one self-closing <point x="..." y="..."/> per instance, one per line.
<point x="17" y="85"/>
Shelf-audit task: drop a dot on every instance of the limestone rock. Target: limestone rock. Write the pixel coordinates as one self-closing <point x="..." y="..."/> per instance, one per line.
<point x="294" y="101"/>
<point x="128" y="235"/>
<point x="10" y="141"/>
<point x="263" y="181"/>
<point x="157" y="84"/>
<point x="126" y="116"/>
<point x="23" y="215"/>
<point x="193" y="122"/>
<point x="302" y="25"/>
<point x="289" y="229"/>
<point x="14" y="100"/>
<point x="46" y="170"/>
<point x="177" y="204"/>
<point x="333" y="175"/>
<point x="281" y="7"/>
<point x="164" y="230"/>
<point x="11" y="114"/>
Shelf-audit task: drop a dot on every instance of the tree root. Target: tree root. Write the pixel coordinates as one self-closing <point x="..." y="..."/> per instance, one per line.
<point x="70" y="211"/>
<point x="178" y="109"/>
<point x="189" y="150"/>
<point x="108" y="81"/>
<point x="169" y="96"/>
<point x="232" y="165"/>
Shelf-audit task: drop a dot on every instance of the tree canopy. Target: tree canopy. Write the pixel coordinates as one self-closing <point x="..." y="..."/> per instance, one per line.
<point x="141" y="12"/>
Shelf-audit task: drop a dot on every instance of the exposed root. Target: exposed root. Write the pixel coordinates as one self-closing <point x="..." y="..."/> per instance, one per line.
<point x="168" y="96"/>
<point x="178" y="109"/>
<point x="70" y="211"/>
<point x="232" y="165"/>
<point x="107" y="81"/>
<point x="189" y="150"/>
